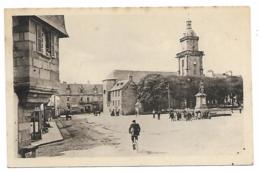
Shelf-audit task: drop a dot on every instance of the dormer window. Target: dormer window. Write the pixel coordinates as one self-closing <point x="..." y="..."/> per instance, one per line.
<point x="95" y="89"/>
<point x="81" y="89"/>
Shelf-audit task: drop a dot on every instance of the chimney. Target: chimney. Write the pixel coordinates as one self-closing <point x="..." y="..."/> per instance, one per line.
<point x="130" y="77"/>
<point x="188" y="24"/>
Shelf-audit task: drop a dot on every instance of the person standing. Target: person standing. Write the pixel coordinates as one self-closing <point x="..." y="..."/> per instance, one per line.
<point x="153" y="113"/>
<point x="159" y="115"/>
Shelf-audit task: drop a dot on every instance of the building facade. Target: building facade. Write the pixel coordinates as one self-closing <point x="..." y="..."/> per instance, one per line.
<point x="190" y="58"/>
<point x="123" y="96"/>
<point x="80" y="98"/>
<point x="36" y="66"/>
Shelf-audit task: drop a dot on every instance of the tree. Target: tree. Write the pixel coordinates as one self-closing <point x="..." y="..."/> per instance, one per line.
<point x="152" y="92"/>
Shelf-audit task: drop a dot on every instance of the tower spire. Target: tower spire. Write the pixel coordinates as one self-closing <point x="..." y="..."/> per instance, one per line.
<point x="188" y="24"/>
<point x="190" y="58"/>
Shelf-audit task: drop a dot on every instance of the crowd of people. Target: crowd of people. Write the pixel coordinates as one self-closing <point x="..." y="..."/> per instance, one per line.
<point x="184" y="115"/>
<point x="188" y="115"/>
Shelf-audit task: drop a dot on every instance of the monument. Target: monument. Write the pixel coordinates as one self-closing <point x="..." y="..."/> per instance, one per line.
<point x="201" y="98"/>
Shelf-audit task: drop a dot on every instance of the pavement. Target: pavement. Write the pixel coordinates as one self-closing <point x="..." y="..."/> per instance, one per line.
<point x="52" y="136"/>
<point x="92" y="136"/>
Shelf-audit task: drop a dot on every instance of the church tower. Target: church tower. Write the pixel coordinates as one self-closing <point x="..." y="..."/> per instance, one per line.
<point x="190" y="58"/>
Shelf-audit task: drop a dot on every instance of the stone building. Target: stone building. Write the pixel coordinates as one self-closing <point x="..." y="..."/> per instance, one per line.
<point x="120" y="90"/>
<point x="123" y="96"/>
<point x="36" y="66"/>
<point x="80" y="97"/>
<point x="190" y="58"/>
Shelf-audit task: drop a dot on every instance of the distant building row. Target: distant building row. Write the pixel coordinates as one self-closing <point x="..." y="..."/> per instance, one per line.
<point x="79" y="98"/>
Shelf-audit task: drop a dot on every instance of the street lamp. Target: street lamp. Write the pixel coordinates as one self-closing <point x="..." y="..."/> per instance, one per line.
<point x="169" y="96"/>
<point x="187" y="93"/>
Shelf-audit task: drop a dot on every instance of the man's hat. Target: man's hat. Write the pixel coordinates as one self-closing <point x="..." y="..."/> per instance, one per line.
<point x="133" y="121"/>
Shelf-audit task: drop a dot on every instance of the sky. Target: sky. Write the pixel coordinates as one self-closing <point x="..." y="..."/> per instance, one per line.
<point x="101" y="40"/>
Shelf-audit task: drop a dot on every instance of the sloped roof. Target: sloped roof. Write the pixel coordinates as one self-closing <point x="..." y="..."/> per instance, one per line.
<point x="56" y="21"/>
<point x="120" y="85"/>
<point x="86" y="88"/>
<point x="137" y="75"/>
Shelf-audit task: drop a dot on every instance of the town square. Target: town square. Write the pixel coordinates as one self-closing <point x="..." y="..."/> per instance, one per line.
<point x="134" y="83"/>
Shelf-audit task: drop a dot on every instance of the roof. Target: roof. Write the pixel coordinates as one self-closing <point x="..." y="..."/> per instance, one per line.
<point x="137" y="75"/>
<point x="86" y="88"/>
<point x="56" y="21"/>
<point x="200" y="94"/>
<point x="120" y="85"/>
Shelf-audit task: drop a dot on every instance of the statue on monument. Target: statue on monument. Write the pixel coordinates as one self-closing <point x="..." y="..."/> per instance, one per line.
<point x="201" y="88"/>
<point x="201" y="97"/>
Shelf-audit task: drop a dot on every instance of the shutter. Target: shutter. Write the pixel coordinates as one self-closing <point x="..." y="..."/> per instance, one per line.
<point x="39" y="38"/>
<point x="42" y="42"/>
<point x="52" y="45"/>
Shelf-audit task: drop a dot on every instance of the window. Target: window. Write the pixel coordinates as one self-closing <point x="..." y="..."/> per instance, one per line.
<point x="109" y="96"/>
<point x="39" y="38"/>
<point x="104" y="91"/>
<point x="68" y="98"/>
<point x="87" y="99"/>
<point x="95" y="89"/>
<point x="81" y="99"/>
<point x="195" y="68"/>
<point x="68" y="90"/>
<point x="45" y="41"/>
<point x="81" y="89"/>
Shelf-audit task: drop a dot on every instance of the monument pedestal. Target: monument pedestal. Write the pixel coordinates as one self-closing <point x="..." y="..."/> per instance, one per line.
<point x="201" y="101"/>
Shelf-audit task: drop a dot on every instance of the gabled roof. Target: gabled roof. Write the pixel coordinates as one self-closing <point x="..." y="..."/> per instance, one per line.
<point x="120" y="85"/>
<point x="56" y="21"/>
<point x="137" y="75"/>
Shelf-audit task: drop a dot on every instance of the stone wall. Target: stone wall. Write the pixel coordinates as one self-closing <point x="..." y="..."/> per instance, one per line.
<point x="129" y="99"/>
<point x="107" y="85"/>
